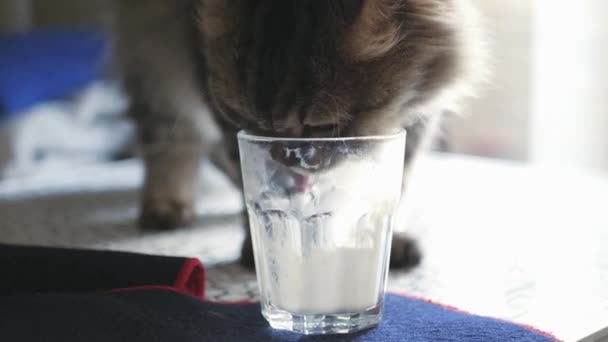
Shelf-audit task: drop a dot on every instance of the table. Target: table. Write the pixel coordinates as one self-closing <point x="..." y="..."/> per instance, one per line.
<point x="500" y="239"/>
<point x="511" y="241"/>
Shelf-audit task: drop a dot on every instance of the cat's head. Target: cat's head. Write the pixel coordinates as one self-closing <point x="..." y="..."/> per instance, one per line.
<point x="317" y="68"/>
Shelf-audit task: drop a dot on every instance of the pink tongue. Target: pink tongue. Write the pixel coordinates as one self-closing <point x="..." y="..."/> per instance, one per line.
<point x="301" y="183"/>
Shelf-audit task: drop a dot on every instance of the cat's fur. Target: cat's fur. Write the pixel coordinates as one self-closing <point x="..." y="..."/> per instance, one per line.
<point x="199" y="70"/>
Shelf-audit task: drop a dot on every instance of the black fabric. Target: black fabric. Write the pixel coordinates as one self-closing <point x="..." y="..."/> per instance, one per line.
<point x="129" y="316"/>
<point x="28" y="269"/>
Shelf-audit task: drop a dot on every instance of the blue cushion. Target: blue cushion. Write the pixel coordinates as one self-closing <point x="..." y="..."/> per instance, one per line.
<point x="44" y="65"/>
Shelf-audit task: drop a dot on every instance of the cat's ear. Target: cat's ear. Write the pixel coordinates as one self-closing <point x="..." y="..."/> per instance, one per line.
<point x="375" y="31"/>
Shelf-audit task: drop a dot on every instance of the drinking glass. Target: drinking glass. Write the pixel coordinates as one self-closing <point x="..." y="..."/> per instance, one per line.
<point x="321" y="214"/>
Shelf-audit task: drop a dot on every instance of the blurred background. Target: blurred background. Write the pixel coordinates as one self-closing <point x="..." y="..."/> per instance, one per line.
<point x="547" y="104"/>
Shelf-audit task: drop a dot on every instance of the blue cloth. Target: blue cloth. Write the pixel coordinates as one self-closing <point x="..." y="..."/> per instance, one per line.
<point x="405" y="319"/>
<point x="44" y="65"/>
<point x="160" y="315"/>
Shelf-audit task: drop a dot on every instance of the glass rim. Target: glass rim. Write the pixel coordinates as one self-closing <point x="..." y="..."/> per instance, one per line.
<point x="243" y="135"/>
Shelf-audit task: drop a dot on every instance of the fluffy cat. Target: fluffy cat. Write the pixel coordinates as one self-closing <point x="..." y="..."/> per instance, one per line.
<point x="197" y="71"/>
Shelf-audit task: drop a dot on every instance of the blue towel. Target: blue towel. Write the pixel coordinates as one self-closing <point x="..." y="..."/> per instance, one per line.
<point x="44" y="65"/>
<point x="157" y="314"/>
<point x="405" y="319"/>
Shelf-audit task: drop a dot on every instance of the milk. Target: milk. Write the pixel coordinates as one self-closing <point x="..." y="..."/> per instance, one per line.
<point x="328" y="265"/>
<point x="326" y="282"/>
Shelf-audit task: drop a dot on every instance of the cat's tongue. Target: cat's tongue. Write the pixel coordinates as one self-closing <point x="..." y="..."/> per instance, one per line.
<point x="301" y="182"/>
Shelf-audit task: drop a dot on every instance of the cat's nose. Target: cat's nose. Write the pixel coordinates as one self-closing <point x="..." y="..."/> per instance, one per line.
<point x="297" y="154"/>
<point x="287" y="153"/>
<point x="295" y="166"/>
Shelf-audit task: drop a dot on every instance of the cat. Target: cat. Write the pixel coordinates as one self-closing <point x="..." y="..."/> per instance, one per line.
<point x="198" y="71"/>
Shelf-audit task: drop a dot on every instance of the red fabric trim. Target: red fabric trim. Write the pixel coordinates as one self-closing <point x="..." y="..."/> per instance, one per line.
<point x="153" y="288"/>
<point x="452" y="308"/>
<point x="190" y="281"/>
<point x="191" y="278"/>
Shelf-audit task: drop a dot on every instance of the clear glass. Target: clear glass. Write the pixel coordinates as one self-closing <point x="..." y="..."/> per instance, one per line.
<point x="321" y="214"/>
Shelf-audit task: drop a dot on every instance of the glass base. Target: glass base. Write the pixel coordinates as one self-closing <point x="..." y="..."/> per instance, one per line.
<point x="322" y="324"/>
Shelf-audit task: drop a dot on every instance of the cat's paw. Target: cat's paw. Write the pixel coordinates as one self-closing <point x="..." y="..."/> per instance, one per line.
<point x="405" y="252"/>
<point x="164" y="214"/>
